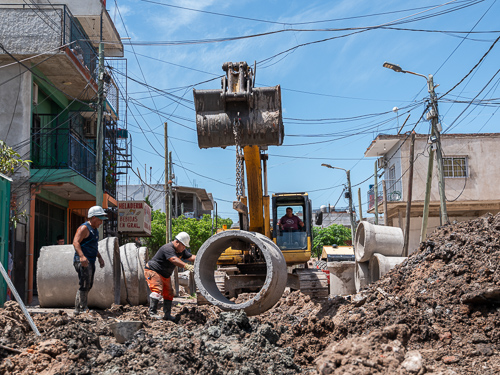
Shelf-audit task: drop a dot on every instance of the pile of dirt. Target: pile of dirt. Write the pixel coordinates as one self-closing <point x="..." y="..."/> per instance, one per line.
<point x="436" y="313"/>
<point x="442" y="305"/>
<point x="205" y="341"/>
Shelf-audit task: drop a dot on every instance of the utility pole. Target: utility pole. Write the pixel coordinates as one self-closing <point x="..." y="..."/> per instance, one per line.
<point x="375" y="192"/>
<point x="351" y="210"/>
<point x="408" y="202"/>
<point x="433" y="115"/>
<point x="170" y="176"/>
<point x="384" y="193"/>
<point x="436" y="129"/>
<point x="360" y="206"/>
<point x="168" y="205"/>
<point x="427" y="198"/>
<point x="167" y="200"/>
<point x="99" y="193"/>
<point x="99" y="174"/>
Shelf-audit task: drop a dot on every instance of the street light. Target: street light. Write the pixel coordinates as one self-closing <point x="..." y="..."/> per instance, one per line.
<point x="433" y="115"/>
<point x="329" y="166"/>
<point x="351" y="211"/>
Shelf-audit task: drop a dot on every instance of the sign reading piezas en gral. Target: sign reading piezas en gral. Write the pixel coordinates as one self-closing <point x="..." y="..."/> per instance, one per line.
<point x="134" y="217"/>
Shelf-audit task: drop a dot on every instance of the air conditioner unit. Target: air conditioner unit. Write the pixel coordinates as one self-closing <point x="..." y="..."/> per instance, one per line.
<point x="90" y="128"/>
<point x="381" y="163"/>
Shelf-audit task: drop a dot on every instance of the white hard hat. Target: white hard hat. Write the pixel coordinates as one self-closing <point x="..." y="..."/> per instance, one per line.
<point x="98" y="212"/>
<point x="183" y="238"/>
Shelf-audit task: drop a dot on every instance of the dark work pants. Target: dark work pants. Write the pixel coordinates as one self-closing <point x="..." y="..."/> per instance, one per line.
<point x="85" y="275"/>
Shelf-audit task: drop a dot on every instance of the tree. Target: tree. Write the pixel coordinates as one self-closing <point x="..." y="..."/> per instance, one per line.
<point x="10" y="160"/>
<point x="199" y="230"/>
<point x="335" y="234"/>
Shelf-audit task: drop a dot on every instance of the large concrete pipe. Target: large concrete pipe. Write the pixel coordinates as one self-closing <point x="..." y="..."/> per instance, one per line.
<point x="276" y="271"/>
<point x="380" y="239"/>
<point x="379" y="265"/>
<point x="341" y="278"/>
<point x="133" y="284"/>
<point x="57" y="279"/>
<point x="361" y="275"/>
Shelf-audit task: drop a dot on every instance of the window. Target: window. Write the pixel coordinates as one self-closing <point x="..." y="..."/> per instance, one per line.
<point x="455" y="167"/>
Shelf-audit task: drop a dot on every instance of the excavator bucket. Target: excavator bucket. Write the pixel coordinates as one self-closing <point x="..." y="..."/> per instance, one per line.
<point x="238" y="113"/>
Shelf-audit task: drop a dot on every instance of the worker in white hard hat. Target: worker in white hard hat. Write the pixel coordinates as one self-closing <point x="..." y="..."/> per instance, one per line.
<point x="86" y="252"/>
<point x="159" y="269"/>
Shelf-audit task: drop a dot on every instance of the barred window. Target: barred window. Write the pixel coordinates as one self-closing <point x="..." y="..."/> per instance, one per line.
<point x="455" y="167"/>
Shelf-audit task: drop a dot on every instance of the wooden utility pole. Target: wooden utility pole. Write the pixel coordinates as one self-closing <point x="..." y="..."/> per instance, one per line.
<point x="375" y="192"/>
<point x="169" y="192"/>
<point x="360" y="205"/>
<point x="408" y="202"/>
<point x="351" y="208"/>
<point x="384" y="191"/>
<point x="167" y="175"/>
<point x="427" y="198"/>
<point x="434" y="115"/>
<point x="435" y="137"/>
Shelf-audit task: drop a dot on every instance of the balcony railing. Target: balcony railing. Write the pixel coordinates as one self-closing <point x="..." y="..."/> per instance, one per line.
<point x="59" y="143"/>
<point x="60" y="149"/>
<point x="394" y="193"/>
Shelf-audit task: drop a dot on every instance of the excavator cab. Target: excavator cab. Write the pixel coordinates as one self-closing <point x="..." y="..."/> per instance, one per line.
<point x="294" y="244"/>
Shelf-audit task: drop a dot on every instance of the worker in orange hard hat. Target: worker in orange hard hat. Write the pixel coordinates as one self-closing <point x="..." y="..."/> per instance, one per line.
<point x="159" y="269"/>
<point x="86" y="252"/>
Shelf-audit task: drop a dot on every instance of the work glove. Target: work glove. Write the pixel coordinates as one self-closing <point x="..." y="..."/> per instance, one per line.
<point x="189" y="267"/>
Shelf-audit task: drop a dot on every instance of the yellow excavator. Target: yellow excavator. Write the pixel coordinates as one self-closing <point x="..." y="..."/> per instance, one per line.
<point x="250" y="118"/>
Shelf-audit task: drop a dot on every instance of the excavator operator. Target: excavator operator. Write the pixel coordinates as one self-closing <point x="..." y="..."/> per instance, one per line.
<point x="290" y="222"/>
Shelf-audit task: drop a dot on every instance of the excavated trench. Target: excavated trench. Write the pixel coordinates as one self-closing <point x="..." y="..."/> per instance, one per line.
<point x="436" y="313"/>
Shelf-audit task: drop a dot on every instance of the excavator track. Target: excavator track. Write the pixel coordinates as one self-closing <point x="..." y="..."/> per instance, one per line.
<point x="311" y="282"/>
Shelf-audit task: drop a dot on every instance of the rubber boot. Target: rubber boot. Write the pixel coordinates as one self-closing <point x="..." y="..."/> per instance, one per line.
<point x="83" y="301"/>
<point x="78" y="309"/>
<point x="167" y="308"/>
<point x="153" y="308"/>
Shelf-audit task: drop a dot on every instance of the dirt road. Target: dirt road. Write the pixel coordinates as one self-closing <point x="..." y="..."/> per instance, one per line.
<point x="437" y="313"/>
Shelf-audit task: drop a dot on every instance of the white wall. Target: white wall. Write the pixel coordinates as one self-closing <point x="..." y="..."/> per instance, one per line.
<point x="484" y="175"/>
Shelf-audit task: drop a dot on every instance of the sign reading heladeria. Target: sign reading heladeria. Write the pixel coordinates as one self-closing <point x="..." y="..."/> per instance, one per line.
<point x="134" y="217"/>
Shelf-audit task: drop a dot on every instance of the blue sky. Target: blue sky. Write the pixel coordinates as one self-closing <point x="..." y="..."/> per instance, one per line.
<point x="340" y="81"/>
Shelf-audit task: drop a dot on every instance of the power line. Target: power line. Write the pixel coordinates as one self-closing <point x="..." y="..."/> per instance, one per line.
<point x="473" y="68"/>
<point x="288" y="24"/>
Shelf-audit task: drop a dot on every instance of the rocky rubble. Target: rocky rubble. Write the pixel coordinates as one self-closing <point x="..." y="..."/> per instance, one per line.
<point x="436" y="313"/>
<point x="442" y="302"/>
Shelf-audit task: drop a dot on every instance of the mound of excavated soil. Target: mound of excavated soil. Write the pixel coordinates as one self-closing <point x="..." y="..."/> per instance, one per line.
<point x="437" y="313"/>
<point x="441" y="305"/>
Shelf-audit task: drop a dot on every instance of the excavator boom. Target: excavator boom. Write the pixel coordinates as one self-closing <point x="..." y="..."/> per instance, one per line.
<point x="251" y="259"/>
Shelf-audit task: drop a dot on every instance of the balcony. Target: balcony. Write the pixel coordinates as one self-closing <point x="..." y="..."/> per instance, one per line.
<point x="59" y="45"/>
<point x="60" y="142"/>
<point x="394" y="193"/>
<point x="60" y="149"/>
